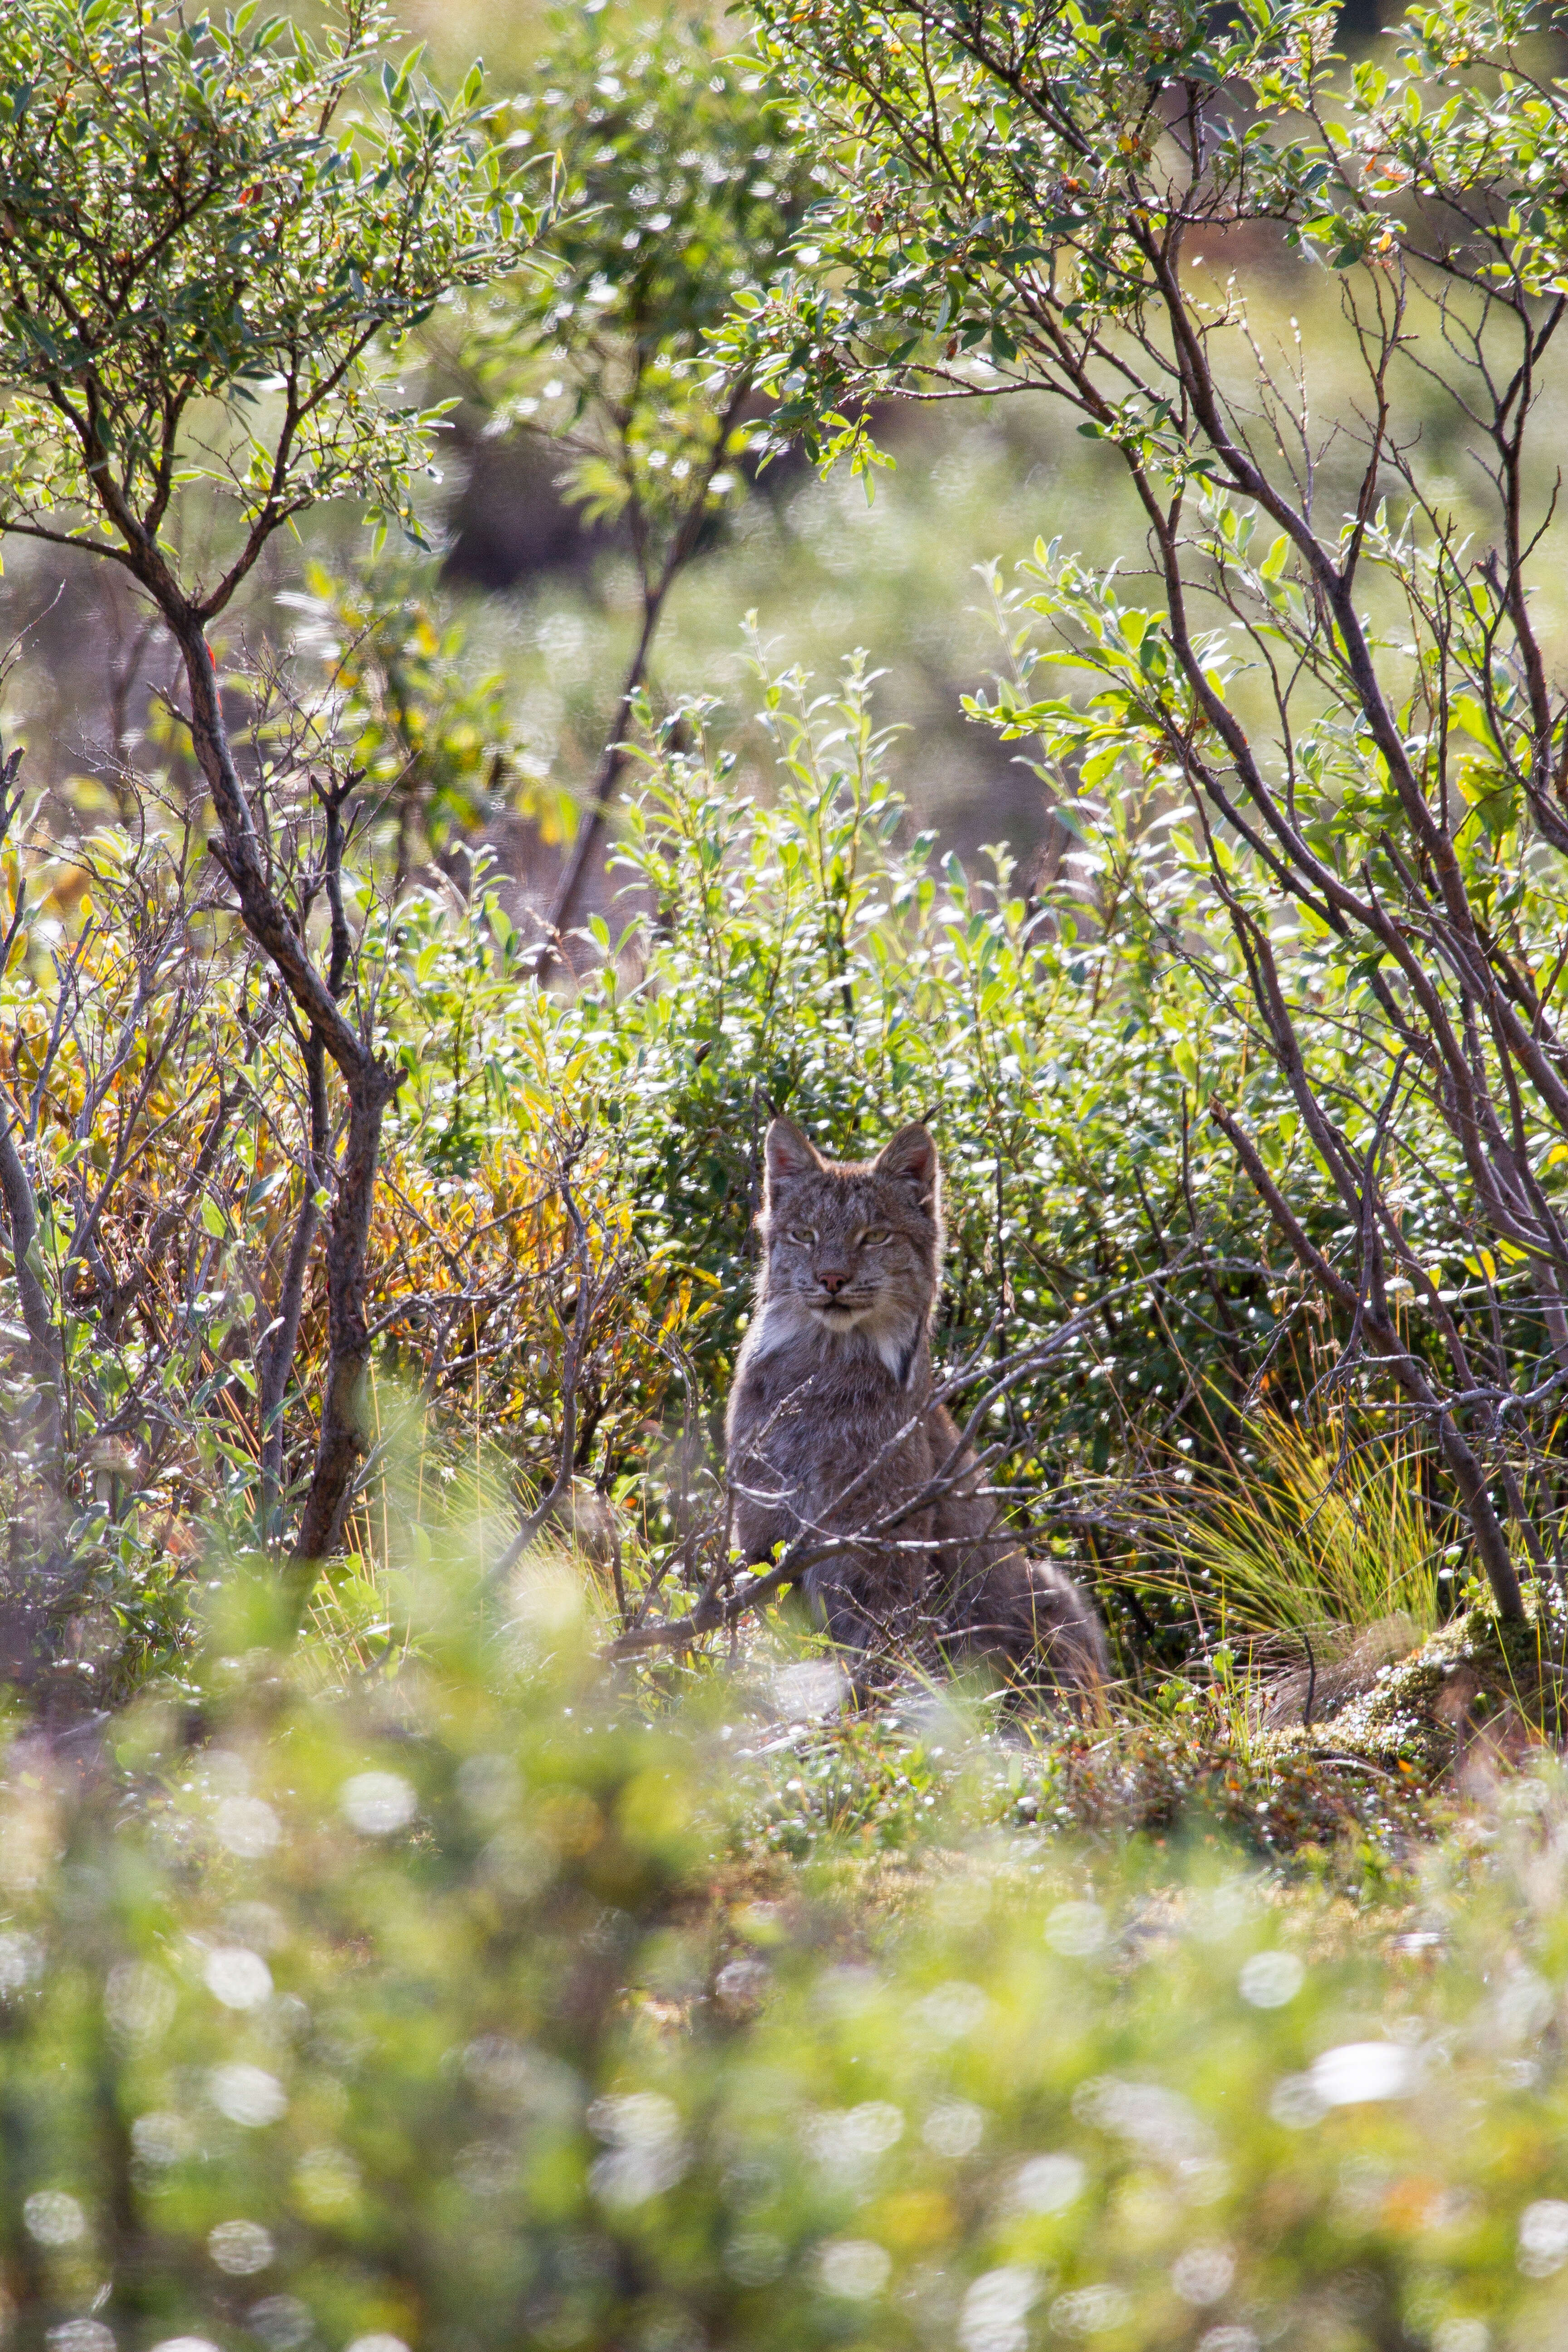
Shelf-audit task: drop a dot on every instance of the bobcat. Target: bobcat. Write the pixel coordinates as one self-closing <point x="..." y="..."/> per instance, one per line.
<point x="831" y="1428"/>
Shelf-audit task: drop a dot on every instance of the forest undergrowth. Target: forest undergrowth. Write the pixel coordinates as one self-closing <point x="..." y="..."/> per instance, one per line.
<point x="449" y="1899"/>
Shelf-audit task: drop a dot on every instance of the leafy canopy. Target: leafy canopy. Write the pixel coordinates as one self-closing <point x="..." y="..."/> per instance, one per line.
<point x="194" y="213"/>
<point x="1020" y="186"/>
<point x="681" y="191"/>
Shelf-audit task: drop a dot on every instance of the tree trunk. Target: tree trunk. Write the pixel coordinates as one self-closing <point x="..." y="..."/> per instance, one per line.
<point x="371" y="1084"/>
<point x="344" y="1433"/>
<point x="279" y="1360"/>
<point x="43" y="1340"/>
<point x="613" y="760"/>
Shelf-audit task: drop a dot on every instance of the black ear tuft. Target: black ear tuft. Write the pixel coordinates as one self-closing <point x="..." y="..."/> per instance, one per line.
<point x="788" y="1153"/>
<point x="912" y="1154"/>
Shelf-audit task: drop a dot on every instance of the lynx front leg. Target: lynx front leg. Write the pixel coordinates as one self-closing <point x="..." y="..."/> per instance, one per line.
<point x="867" y="1606"/>
<point x="838" y="1608"/>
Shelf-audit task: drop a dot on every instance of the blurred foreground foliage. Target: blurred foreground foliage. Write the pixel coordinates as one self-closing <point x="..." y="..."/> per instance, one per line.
<point x="469" y="2004"/>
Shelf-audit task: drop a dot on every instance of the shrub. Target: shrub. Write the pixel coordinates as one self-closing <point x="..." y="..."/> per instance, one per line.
<point x="431" y="2006"/>
<point x="798" y="950"/>
<point x="1346" y="692"/>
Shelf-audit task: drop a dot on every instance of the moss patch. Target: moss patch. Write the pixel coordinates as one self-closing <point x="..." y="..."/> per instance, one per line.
<point x="1370" y="1785"/>
<point x="1475" y="1691"/>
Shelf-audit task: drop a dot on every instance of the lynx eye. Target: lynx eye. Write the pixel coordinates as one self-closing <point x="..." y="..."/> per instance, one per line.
<point x="802" y="1234"/>
<point x="875" y="1234"/>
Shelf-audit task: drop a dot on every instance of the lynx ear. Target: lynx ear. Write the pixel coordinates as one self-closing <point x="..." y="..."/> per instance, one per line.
<point x="912" y="1155"/>
<point x="789" y="1153"/>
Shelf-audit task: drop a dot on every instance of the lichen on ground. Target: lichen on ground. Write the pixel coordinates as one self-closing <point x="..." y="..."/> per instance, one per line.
<point x="1476" y="1692"/>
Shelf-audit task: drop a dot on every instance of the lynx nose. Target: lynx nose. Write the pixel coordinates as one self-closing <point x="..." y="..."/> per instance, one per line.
<point x="833" y="1282"/>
